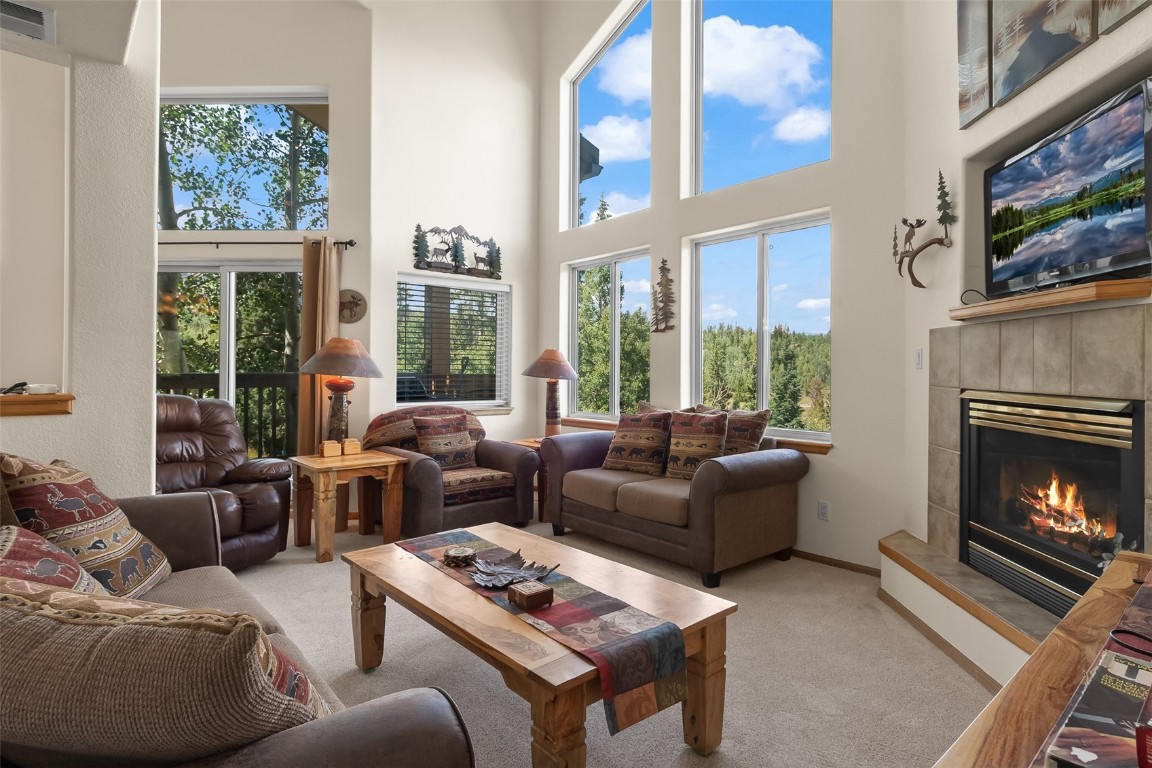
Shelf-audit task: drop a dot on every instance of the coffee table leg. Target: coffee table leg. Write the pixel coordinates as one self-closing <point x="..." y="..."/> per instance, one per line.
<point x="324" y="493"/>
<point x="703" y="711"/>
<point x="368" y="611"/>
<point x="558" y="729"/>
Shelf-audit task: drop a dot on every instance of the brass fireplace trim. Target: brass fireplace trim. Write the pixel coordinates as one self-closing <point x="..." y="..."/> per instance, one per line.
<point x="1025" y="572"/>
<point x="1110" y="424"/>
<point x="1062" y="565"/>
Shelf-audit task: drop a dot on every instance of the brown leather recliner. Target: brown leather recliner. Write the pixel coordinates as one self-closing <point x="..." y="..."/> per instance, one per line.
<point x="199" y="447"/>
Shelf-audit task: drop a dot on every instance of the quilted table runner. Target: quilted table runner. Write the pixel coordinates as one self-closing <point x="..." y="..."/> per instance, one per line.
<point x="640" y="656"/>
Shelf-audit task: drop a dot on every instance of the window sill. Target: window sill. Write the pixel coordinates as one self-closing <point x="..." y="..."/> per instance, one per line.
<point x="804" y="446"/>
<point x="36" y="405"/>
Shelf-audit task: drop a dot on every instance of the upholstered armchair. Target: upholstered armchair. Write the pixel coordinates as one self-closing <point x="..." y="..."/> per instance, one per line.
<point x="200" y="447"/>
<point x="495" y="487"/>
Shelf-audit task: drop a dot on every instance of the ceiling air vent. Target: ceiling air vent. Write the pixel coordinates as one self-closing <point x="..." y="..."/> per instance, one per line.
<point x="28" y="20"/>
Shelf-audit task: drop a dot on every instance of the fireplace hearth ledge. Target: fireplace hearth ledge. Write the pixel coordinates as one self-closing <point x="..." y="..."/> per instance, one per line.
<point x="969" y="616"/>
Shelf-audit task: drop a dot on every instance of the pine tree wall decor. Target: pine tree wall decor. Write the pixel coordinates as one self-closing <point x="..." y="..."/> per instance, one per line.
<point x="945" y="219"/>
<point x="458" y="245"/>
<point x="662" y="300"/>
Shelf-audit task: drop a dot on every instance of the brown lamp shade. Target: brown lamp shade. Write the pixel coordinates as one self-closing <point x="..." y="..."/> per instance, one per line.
<point x="342" y="357"/>
<point x="551" y="365"/>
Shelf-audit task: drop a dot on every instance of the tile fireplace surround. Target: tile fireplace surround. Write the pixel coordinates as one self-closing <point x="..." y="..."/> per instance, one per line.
<point x="1097" y="353"/>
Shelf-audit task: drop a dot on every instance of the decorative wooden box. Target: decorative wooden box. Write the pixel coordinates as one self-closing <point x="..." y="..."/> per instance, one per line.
<point x="530" y="595"/>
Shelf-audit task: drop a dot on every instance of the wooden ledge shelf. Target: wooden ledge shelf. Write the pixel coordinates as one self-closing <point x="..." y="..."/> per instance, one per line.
<point x="1134" y="288"/>
<point x="36" y="405"/>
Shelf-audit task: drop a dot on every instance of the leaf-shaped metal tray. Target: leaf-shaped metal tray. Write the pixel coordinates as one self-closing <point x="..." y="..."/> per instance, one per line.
<point x="495" y="574"/>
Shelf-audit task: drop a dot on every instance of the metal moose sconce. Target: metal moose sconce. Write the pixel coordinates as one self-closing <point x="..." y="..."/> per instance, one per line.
<point x="909" y="253"/>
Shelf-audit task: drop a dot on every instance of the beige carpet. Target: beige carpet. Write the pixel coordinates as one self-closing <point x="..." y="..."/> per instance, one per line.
<point x="820" y="672"/>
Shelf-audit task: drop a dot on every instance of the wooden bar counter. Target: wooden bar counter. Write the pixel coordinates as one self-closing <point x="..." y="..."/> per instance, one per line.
<point x="1016" y="723"/>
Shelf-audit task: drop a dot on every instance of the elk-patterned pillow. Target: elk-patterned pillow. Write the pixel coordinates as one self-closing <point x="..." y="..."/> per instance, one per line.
<point x="446" y="440"/>
<point x="695" y="438"/>
<point x="640" y="443"/>
<point x="62" y="504"/>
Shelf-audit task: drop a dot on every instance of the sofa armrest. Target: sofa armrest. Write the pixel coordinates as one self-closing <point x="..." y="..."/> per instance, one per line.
<point x="183" y="525"/>
<point x="423" y="492"/>
<point x="410" y="729"/>
<point x="519" y="460"/>
<point x="746" y="471"/>
<point x="258" y="471"/>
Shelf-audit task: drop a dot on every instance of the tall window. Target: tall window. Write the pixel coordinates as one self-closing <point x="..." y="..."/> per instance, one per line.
<point x="613" y="136"/>
<point x="243" y="166"/>
<point x="610" y="335"/>
<point x="452" y="342"/>
<point x="233" y="333"/>
<point x="764" y="102"/>
<point x="782" y="316"/>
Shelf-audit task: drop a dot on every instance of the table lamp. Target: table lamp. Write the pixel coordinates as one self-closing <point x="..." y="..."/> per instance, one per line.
<point x="341" y="357"/>
<point x="551" y="365"/>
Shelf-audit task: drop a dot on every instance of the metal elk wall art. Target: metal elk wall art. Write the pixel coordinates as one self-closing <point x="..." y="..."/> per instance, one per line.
<point x="909" y="252"/>
<point x="456" y="247"/>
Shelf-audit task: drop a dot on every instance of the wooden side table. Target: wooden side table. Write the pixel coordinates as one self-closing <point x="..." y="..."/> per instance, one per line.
<point x="314" y="483"/>
<point x="541" y="476"/>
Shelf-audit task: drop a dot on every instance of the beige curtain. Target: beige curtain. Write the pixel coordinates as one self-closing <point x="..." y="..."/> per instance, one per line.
<point x="319" y="321"/>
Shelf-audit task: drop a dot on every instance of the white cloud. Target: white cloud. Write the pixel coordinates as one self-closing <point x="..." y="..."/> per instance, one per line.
<point x="779" y="288"/>
<point x="620" y="203"/>
<point x="770" y="67"/>
<point x="803" y="124"/>
<point x="717" y="312"/>
<point x="827" y="318"/>
<point x="632" y="287"/>
<point x="621" y="138"/>
<point x="814" y="304"/>
<point x="626" y="70"/>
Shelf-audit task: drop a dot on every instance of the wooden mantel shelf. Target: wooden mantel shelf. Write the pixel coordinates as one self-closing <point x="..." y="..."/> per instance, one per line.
<point x="36" y="405"/>
<point x="1134" y="288"/>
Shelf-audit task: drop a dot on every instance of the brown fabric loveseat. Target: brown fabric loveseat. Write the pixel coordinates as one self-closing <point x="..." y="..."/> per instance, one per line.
<point x="735" y="509"/>
<point x="200" y="447"/>
<point x="409" y="729"/>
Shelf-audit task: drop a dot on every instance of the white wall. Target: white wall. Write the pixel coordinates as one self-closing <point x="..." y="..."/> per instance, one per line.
<point x="33" y="219"/>
<point x="454" y="141"/>
<point x="933" y="140"/>
<point x="112" y="268"/>
<point x="862" y="185"/>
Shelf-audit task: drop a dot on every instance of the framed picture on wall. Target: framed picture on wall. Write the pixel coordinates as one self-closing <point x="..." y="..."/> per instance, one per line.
<point x="972" y="64"/>
<point x="1030" y="37"/>
<point x="1113" y="13"/>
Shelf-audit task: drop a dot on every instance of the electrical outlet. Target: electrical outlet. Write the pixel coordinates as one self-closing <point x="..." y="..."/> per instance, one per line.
<point x="822" y="510"/>
<point x="918" y="358"/>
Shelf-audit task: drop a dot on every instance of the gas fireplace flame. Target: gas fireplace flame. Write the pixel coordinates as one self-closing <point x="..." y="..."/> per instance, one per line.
<point x="1060" y="507"/>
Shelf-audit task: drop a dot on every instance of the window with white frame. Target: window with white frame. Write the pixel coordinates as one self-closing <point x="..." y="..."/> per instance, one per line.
<point x="610" y="335"/>
<point x="246" y="165"/>
<point x="762" y="88"/>
<point x="232" y="331"/>
<point x="612" y="109"/>
<point x="453" y="340"/>
<point x="765" y="295"/>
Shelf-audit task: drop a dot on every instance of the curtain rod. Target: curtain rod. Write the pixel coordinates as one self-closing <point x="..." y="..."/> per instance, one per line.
<point x="346" y="243"/>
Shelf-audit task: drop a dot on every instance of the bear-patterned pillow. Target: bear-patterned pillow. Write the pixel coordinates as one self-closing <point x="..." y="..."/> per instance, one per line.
<point x="695" y="438"/>
<point x="640" y="443"/>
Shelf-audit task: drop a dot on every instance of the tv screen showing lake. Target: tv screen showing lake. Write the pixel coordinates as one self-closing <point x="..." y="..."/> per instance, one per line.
<point x="1076" y="199"/>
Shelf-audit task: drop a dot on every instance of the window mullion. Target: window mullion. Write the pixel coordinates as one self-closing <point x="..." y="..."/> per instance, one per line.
<point x="763" y="331"/>
<point x="228" y="334"/>
<point x="614" y="346"/>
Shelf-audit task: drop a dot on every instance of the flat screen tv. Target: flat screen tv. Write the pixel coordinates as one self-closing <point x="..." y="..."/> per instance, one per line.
<point x="1074" y="206"/>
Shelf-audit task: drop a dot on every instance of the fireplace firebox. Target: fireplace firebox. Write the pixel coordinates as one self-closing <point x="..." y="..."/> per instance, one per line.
<point x="1050" y="490"/>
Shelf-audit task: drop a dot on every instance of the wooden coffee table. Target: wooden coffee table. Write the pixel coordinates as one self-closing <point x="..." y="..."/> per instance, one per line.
<point x="558" y="683"/>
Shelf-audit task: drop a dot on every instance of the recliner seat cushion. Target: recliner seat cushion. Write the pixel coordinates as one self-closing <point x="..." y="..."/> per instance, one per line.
<point x="662" y="501"/>
<point x="599" y="487"/>
<point x="467" y="484"/>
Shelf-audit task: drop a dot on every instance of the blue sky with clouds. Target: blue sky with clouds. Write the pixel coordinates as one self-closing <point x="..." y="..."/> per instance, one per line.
<point x="766" y="109"/>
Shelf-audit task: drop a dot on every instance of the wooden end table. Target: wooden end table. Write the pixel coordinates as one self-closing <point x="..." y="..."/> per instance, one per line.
<point x="541" y="476"/>
<point x="314" y="483"/>
<point x="556" y="681"/>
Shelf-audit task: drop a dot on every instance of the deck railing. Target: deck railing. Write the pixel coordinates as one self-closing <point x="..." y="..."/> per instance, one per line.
<point x="265" y="406"/>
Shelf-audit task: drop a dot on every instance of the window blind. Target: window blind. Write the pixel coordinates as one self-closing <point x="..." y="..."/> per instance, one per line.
<point x="452" y="343"/>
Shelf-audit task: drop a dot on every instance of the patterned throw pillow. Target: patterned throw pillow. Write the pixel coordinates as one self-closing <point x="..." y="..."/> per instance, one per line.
<point x="640" y="443"/>
<point x="446" y="440"/>
<point x="63" y="505"/>
<point x="695" y="437"/>
<point x="643" y="406"/>
<point x="395" y="429"/>
<point x="142" y="662"/>
<point x="745" y="429"/>
<point x="30" y="556"/>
